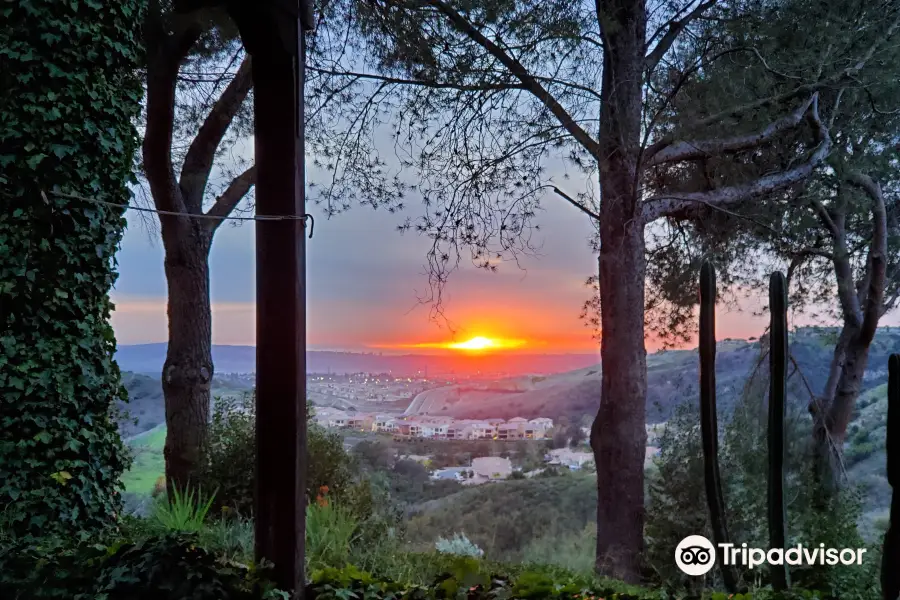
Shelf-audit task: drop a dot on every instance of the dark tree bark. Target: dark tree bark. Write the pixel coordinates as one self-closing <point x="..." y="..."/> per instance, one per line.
<point x="862" y="304"/>
<point x="187" y="238"/>
<point x="188" y="370"/>
<point x="619" y="436"/>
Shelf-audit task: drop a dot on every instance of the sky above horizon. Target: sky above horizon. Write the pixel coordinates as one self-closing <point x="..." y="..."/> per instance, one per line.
<point x="364" y="281"/>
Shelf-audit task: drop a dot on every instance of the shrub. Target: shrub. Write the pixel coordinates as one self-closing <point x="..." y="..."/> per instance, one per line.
<point x="458" y="545"/>
<point x="575" y="551"/>
<point x="469" y="579"/>
<point x="181" y="512"/>
<point x="677" y="500"/>
<point x="229" y="464"/>
<point x="330" y="533"/>
<point x="169" y="567"/>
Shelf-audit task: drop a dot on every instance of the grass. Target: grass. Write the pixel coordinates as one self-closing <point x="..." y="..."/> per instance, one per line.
<point x="184" y="512"/>
<point x="149" y="463"/>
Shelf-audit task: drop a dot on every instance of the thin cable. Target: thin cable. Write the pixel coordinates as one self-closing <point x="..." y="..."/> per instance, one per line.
<point x="172" y="213"/>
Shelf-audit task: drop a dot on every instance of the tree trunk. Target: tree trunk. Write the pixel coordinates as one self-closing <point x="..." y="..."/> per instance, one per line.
<point x="851" y="356"/>
<point x="619" y="435"/>
<point x="188" y="370"/>
<point x="856" y="358"/>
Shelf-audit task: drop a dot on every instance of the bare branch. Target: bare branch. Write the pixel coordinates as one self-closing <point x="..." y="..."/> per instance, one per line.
<point x="827" y="220"/>
<point x="577" y="204"/>
<point x="238" y="188"/>
<point x="675" y="27"/>
<point x="201" y="154"/>
<point x="420" y="82"/>
<point x="682" y="203"/>
<point x="519" y="70"/>
<point x="692" y="150"/>
<point x="165" y="55"/>
<point x="876" y="262"/>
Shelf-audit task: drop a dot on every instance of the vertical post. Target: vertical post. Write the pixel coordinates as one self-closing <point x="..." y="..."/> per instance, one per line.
<point x="280" y="304"/>
<point x="778" y="357"/>
<point x="709" y="426"/>
<point x="890" y="577"/>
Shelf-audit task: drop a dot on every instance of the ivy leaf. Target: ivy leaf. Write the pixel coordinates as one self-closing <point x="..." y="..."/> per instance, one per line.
<point x="61" y="477"/>
<point x="35" y="160"/>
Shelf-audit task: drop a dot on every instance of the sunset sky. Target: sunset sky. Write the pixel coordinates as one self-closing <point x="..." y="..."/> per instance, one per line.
<point x="364" y="279"/>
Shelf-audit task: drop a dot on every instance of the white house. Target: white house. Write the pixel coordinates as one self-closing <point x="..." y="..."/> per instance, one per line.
<point x="509" y="431"/>
<point x="435" y="430"/>
<point x="385" y="424"/>
<point x="481" y="430"/>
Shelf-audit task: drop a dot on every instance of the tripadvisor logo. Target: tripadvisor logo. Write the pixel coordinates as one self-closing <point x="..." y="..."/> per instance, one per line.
<point x="695" y="555"/>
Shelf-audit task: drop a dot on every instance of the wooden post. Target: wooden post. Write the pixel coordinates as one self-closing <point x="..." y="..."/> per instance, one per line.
<point x="709" y="427"/>
<point x="890" y="577"/>
<point x="273" y="33"/>
<point x="778" y="360"/>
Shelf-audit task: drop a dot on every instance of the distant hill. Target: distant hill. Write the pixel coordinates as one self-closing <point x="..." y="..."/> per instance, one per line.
<point x="672" y="379"/>
<point x="146" y="408"/>
<point x="149" y="359"/>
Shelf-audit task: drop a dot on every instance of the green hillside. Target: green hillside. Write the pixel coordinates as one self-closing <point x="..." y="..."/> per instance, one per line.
<point x="504" y="518"/>
<point x="149" y="463"/>
<point x="144" y="428"/>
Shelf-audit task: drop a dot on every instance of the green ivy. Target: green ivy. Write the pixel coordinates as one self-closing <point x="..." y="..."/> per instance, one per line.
<point x="70" y="97"/>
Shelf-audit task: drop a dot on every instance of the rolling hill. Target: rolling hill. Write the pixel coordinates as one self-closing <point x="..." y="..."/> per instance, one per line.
<point x="145" y="409"/>
<point x="149" y="359"/>
<point x="672" y="379"/>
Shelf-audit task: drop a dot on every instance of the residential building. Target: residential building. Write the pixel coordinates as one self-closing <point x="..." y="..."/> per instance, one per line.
<point x="450" y="473"/>
<point x="482" y="430"/>
<point x="435" y="430"/>
<point x="385" y="424"/>
<point x="460" y="431"/>
<point x="536" y="429"/>
<point x="361" y="422"/>
<point x="509" y="431"/>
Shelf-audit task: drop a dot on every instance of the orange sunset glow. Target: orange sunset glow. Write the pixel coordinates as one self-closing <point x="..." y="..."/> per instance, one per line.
<point x="479" y="343"/>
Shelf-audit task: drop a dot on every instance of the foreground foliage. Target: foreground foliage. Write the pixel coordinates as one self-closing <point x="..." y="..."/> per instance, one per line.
<point x="229" y="461"/>
<point x="178" y="566"/>
<point x="69" y="79"/>
<point x="167" y="567"/>
<point x="678" y="504"/>
<point x="469" y="579"/>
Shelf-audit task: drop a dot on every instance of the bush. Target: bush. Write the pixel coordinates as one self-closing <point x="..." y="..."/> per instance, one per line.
<point x="470" y="579"/>
<point x="169" y="567"/>
<point x="678" y="508"/>
<point x="330" y="533"/>
<point x="229" y="464"/>
<point x="181" y="512"/>
<point x="458" y="545"/>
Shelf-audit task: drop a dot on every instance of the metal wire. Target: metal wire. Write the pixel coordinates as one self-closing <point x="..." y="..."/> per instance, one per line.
<point x="303" y="217"/>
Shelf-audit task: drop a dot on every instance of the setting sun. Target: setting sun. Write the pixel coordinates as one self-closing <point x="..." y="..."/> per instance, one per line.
<point x="483" y="343"/>
<point x="477" y="344"/>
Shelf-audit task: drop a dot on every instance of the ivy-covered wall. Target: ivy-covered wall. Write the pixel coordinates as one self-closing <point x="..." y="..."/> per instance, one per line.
<point x="69" y="95"/>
